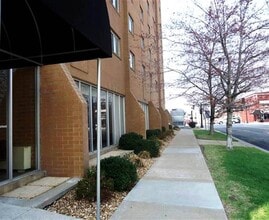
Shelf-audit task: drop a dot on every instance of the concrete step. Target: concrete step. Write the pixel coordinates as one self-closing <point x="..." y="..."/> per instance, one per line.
<point x="39" y="193"/>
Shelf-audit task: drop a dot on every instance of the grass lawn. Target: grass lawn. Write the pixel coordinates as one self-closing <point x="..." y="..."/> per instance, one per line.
<point x="241" y="176"/>
<point x="205" y="135"/>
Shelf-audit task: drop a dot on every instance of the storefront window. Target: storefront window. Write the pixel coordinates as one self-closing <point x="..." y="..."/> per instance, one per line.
<point x="112" y="116"/>
<point x="19" y="150"/>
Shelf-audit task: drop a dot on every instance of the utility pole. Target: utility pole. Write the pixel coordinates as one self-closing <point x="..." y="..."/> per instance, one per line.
<point x="201" y="113"/>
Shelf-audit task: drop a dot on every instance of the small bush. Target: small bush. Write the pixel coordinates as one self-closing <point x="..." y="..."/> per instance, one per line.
<point x="170" y="127"/>
<point x="121" y="170"/>
<point x="152" y="146"/>
<point x="136" y="160"/>
<point x="129" y="141"/>
<point x="170" y="133"/>
<point x="144" y="154"/>
<point x="192" y="124"/>
<point x="86" y="188"/>
<point x="153" y="133"/>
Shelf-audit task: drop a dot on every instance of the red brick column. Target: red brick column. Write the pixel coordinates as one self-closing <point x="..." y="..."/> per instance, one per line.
<point x="64" y="129"/>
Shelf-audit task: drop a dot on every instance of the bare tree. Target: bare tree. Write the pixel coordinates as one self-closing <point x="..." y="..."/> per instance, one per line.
<point x="242" y="30"/>
<point x="228" y="48"/>
<point x="199" y="81"/>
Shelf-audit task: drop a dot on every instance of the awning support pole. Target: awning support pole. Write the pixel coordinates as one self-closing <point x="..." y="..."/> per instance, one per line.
<point x="98" y="200"/>
<point x="10" y="125"/>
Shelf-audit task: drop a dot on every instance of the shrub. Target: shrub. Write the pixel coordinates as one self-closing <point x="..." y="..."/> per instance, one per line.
<point x="129" y="141"/>
<point x="153" y="133"/>
<point x="144" y="154"/>
<point x="192" y="124"/>
<point x="170" y="127"/>
<point x="86" y="188"/>
<point x="121" y="170"/>
<point x="170" y="133"/>
<point x="136" y="160"/>
<point x="152" y="146"/>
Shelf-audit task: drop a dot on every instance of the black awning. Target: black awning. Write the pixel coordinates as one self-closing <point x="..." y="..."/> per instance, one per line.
<point x="40" y="32"/>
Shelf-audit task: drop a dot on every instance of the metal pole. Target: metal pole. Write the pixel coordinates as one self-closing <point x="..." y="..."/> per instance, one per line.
<point x="10" y="124"/>
<point x="37" y="116"/>
<point x="98" y="200"/>
<point x="201" y="113"/>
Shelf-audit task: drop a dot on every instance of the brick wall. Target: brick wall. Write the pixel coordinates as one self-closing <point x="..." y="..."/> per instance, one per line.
<point x="135" y="117"/>
<point x="64" y="138"/>
<point x="155" y="121"/>
<point x="165" y="118"/>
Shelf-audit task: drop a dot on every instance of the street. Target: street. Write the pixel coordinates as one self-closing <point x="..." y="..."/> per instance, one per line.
<point x="254" y="133"/>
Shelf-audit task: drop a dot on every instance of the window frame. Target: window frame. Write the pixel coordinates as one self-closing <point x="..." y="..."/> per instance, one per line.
<point x="115" y="42"/>
<point x="130" y="24"/>
<point x="131" y="60"/>
<point x="142" y="42"/>
<point x="141" y="14"/>
<point x="115" y="4"/>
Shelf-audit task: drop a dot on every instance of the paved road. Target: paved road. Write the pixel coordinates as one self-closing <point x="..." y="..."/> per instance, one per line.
<point x="257" y="134"/>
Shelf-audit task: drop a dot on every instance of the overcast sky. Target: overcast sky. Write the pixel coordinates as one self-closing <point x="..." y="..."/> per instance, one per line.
<point x="169" y="9"/>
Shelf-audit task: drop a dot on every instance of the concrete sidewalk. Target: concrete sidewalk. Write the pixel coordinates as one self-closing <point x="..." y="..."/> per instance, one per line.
<point x="177" y="186"/>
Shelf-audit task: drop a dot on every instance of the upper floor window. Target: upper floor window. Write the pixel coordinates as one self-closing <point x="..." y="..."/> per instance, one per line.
<point x="143" y="70"/>
<point x="115" y="4"/>
<point x="131" y="24"/>
<point x="142" y="43"/>
<point x="141" y="14"/>
<point x="148" y="6"/>
<point x="115" y="42"/>
<point x="132" y="60"/>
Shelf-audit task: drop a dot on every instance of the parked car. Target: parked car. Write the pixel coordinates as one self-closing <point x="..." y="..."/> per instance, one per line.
<point x="235" y="120"/>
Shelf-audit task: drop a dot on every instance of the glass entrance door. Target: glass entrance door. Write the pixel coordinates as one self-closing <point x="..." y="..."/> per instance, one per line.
<point x="19" y="122"/>
<point x="3" y="125"/>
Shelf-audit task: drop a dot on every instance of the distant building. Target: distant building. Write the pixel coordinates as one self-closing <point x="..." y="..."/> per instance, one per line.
<point x="178" y="117"/>
<point x="254" y="107"/>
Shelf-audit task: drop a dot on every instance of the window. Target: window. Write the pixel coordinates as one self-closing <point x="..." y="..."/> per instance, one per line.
<point x="132" y="60"/>
<point x="112" y="116"/>
<point x="146" y="112"/>
<point x="148" y="29"/>
<point x="130" y="24"/>
<point x="115" y="4"/>
<point x="115" y="42"/>
<point x="141" y="14"/>
<point x="148" y="7"/>
<point x="142" y="42"/>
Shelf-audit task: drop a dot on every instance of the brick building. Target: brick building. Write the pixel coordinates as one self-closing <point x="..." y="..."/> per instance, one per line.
<point x="254" y="107"/>
<point x="132" y="97"/>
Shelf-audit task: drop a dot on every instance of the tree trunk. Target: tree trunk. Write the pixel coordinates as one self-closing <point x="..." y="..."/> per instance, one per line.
<point x="229" y="126"/>
<point x="212" y="118"/>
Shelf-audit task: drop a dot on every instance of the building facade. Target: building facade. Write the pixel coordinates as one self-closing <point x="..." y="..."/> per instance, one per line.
<point x="254" y="108"/>
<point x="55" y="115"/>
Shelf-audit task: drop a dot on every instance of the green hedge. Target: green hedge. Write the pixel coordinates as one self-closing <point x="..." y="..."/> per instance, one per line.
<point x="152" y="146"/>
<point x="151" y="133"/>
<point x="121" y="170"/>
<point x="86" y="187"/>
<point x="129" y="141"/>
